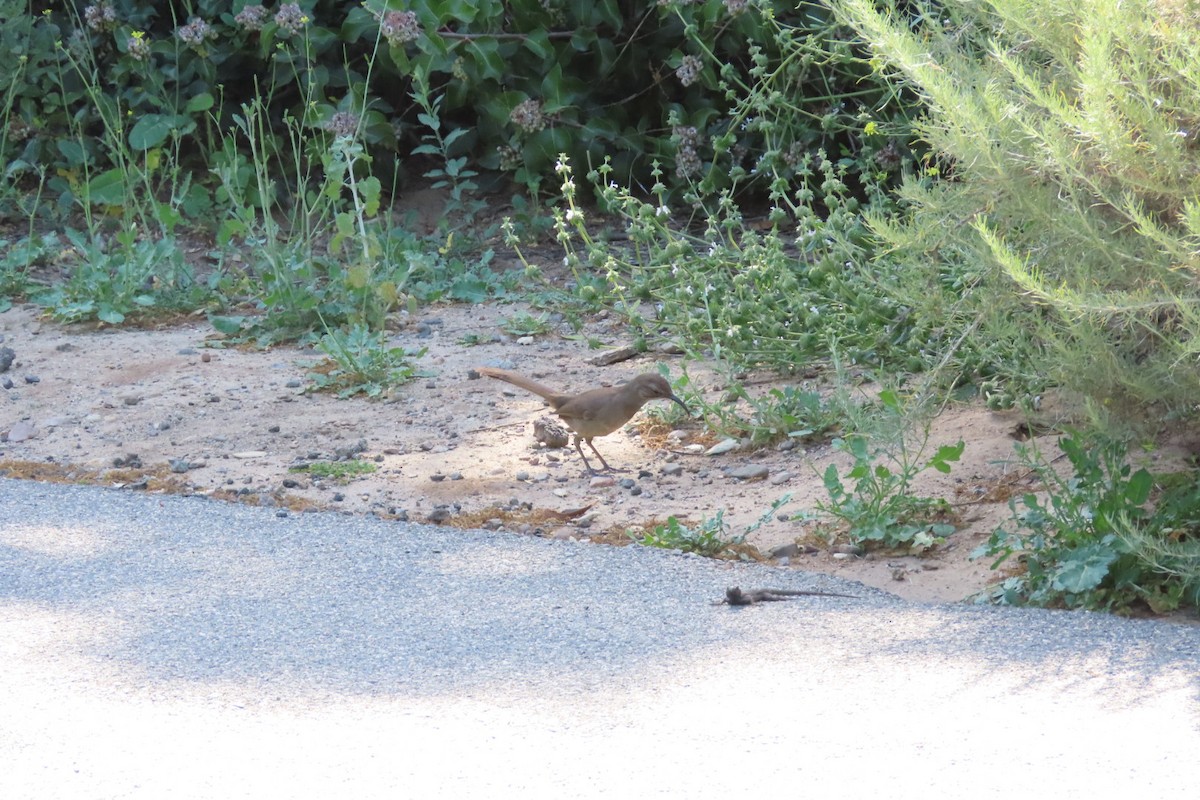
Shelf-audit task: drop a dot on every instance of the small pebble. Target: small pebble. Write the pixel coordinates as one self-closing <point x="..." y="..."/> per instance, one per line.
<point x="627" y="483"/>
<point x="749" y="472"/>
<point x="522" y="475"/>
<point x="601" y="482"/>
<point x="32" y="379"/>
<point x="293" y="383"/>
<point x="456" y="476"/>
<point x="723" y="446"/>
<point x="437" y="477"/>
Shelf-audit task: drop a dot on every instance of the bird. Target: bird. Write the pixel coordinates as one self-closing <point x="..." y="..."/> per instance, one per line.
<point x="596" y="412"/>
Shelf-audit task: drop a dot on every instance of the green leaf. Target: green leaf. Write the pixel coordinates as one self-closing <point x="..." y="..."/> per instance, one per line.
<point x="106" y="189"/>
<point x="538" y="43"/>
<point x="151" y="130"/>
<point x="1138" y="490"/>
<point x="1084" y="569"/>
<point x="201" y="102"/>
<point x="227" y="325"/>
<point x="110" y="315"/>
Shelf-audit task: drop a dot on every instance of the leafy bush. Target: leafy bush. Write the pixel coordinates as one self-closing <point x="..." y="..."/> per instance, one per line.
<point x="880" y="510"/>
<point x="747" y="86"/>
<point x="1096" y="540"/>
<point x="1068" y="132"/>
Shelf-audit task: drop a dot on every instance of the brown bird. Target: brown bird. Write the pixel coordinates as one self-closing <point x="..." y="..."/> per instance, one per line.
<point x="596" y="412"/>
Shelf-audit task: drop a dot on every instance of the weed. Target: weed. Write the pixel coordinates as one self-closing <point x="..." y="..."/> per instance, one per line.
<point x="136" y="278"/>
<point x="879" y="509"/>
<point x="361" y="362"/>
<point x="340" y="471"/>
<point x="1095" y="540"/>
<point x="522" y="323"/>
<point x="711" y="537"/>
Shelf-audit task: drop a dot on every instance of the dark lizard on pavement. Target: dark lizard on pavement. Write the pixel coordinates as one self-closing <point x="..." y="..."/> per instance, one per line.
<point x="736" y="596"/>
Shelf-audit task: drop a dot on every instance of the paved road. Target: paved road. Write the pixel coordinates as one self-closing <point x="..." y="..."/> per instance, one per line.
<point x="179" y="648"/>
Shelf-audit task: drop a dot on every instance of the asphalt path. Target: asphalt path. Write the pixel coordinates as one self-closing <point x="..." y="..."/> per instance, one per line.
<point x="165" y="647"/>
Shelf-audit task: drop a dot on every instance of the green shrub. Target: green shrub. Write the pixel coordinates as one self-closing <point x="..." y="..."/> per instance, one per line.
<point x="1064" y="229"/>
<point x="1105" y="537"/>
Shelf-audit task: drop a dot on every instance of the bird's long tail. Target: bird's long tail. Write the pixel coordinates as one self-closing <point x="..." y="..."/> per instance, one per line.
<point x="528" y="384"/>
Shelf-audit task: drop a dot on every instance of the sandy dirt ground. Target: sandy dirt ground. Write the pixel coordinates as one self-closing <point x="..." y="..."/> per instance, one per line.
<point x="177" y="409"/>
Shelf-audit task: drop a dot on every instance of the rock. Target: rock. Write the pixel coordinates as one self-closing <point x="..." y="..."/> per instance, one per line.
<point x="635" y="490"/>
<point x="613" y="356"/>
<point x="694" y="448"/>
<point x="721" y="447"/>
<point x="780" y="478"/>
<point x="273" y="429"/>
<point x="786" y="445"/>
<point x="848" y="549"/>
<point x="294" y="383"/>
<point x="245" y="454"/>
<point x="456" y="476"/>
<point x="186" y="351"/>
<point x="338" y="497"/>
<point x="550" y="433"/>
<point x="785" y="551"/>
<point x="601" y="482"/>
<point x="21" y="430"/>
<point x="522" y="475"/>
<point x="627" y="483"/>
<point x="437" y="477"/>
<point x="525" y="340"/>
<point x="562" y="534"/>
<point x="749" y="472"/>
<point x="7" y="355"/>
<point x="672" y="470"/>
<point x="206" y="357"/>
<point x="439" y="515"/>
<point x="131" y="399"/>
<point x="179" y="465"/>
<point x="291" y="483"/>
<point x="6" y="383"/>
<point x="492" y="524"/>
<point x="128" y="461"/>
<point x="32" y="379"/>
<point x="281" y="513"/>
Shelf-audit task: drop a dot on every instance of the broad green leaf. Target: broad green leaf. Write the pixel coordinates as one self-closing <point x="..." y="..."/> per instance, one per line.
<point x="227" y="325"/>
<point x="201" y="102"/>
<point x="110" y="315"/>
<point x="106" y="189"/>
<point x="1138" y="490"/>
<point x="151" y="130"/>
<point x="1084" y="569"/>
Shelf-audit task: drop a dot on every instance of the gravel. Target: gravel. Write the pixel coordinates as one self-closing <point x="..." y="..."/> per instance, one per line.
<point x="161" y="646"/>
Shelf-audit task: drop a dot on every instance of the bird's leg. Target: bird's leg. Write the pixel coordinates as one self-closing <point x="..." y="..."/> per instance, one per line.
<point x="590" y="470"/>
<point x="602" y="461"/>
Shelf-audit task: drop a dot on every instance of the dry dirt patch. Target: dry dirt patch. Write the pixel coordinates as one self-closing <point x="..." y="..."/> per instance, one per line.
<point x="173" y="410"/>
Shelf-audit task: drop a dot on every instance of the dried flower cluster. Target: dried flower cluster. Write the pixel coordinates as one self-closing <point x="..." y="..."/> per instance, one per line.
<point x="252" y="18"/>
<point x="343" y="123"/>
<point x="195" y="33"/>
<point x="136" y="46"/>
<point x="687" y="147"/>
<point x="528" y="116"/>
<point x="689" y="70"/>
<point x="290" y="19"/>
<point x="399" y="27"/>
<point x="100" y="16"/>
